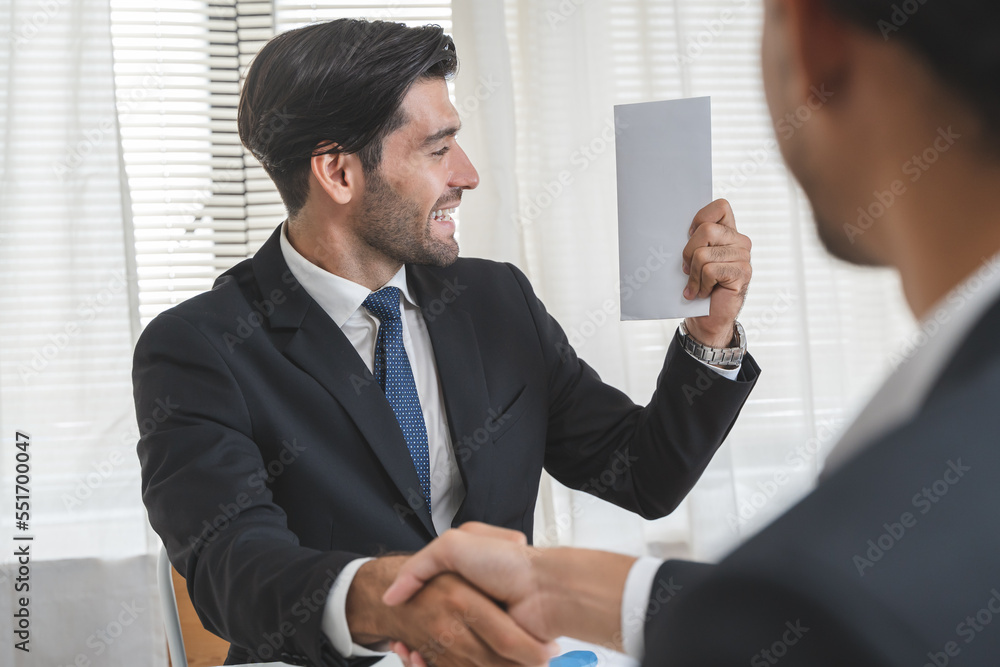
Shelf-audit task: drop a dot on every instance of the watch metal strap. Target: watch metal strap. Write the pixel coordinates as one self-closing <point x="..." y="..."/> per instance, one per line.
<point x="717" y="356"/>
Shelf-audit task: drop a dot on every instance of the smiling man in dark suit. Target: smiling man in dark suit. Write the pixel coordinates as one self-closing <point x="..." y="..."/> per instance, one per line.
<point x="893" y="559"/>
<point x="356" y="389"/>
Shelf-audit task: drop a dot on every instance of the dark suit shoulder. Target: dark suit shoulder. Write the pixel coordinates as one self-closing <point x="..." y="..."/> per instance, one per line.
<point x="218" y="310"/>
<point x="884" y="563"/>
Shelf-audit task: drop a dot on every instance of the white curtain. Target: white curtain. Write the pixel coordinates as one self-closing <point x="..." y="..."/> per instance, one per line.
<point x="68" y="320"/>
<point x="822" y="331"/>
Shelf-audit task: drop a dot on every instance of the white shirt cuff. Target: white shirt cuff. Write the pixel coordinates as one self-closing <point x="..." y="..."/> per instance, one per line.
<point x="335" y="614"/>
<point x="728" y="373"/>
<point x="635" y="601"/>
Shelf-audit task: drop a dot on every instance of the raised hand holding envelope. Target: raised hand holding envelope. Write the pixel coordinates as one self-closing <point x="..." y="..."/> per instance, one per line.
<point x="678" y="257"/>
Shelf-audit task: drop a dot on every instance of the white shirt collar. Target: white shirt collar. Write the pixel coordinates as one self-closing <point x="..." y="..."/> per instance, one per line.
<point x="924" y="356"/>
<point x="339" y="297"/>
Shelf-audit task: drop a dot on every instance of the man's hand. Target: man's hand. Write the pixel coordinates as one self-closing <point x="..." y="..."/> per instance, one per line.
<point x="550" y="593"/>
<point x="448" y="622"/>
<point x="717" y="261"/>
<point x="497" y="560"/>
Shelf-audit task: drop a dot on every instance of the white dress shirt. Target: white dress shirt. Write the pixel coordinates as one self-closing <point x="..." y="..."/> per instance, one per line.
<point x="940" y="334"/>
<point x="342" y="300"/>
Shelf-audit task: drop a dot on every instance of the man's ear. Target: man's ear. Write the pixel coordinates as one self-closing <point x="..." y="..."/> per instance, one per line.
<point x="339" y="174"/>
<point x="819" y="46"/>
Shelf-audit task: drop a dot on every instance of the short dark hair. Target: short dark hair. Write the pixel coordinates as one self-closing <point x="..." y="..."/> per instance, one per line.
<point x="340" y="84"/>
<point x="959" y="39"/>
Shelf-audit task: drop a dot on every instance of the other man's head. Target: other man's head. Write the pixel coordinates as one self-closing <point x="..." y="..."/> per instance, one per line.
<point x="885" y="111"/>
<point x="352" y="121"/>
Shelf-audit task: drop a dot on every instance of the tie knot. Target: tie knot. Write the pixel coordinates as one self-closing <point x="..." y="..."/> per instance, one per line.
<point x="384" y="304"/>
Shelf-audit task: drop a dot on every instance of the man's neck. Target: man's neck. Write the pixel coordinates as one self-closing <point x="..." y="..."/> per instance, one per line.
<point x="340" y="255"/>
<point x="946" y="229"/>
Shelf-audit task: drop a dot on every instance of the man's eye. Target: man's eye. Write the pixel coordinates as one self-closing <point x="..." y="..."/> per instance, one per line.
<point x="442" y="151"/>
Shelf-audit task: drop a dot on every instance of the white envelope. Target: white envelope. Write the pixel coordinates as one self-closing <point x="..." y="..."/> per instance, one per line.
<point x="663" y="154"/>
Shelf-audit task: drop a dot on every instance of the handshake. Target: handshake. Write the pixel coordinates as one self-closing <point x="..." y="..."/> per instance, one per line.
<point x="479" y="595"/>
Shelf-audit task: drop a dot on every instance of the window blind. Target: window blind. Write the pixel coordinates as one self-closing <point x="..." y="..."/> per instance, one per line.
<point x="200" y="201"/>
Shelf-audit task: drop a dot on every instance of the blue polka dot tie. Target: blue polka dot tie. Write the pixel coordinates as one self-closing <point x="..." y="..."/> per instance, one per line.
<point x="392" y="370"/>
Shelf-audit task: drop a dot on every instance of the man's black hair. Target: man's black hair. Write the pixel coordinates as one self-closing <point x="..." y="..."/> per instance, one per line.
<point x="958" y="39"/>
<point x="337" y="85"/>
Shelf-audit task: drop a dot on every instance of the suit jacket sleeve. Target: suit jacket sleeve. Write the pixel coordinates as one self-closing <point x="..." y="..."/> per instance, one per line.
<point x="644" y="459"/>
<point x="867" y="569"/>
<point x="728" y="618"/>
<point x="203" y="484"/>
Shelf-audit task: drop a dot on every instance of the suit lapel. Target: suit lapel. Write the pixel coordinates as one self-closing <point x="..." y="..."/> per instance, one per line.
<point x="320" y="348"/>
<point x="978" y="350"/>
<point x="463" y="385"/>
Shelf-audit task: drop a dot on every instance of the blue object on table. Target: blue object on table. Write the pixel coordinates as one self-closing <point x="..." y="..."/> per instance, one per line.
<point x="575" y="659"/>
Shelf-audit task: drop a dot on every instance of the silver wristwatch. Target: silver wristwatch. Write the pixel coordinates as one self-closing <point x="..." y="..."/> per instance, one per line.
<point x="717" y="356"/>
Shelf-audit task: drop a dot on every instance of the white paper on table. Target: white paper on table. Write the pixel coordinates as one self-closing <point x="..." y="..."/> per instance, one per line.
<point x="663" y="154"/>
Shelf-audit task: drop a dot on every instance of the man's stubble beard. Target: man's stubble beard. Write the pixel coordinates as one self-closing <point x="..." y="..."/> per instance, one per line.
<point x="832" y="232"/>
<point x="387" y="223"/>
<point x="836" y="242"/>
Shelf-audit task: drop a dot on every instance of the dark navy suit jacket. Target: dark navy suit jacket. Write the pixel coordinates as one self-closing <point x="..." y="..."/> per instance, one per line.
<point x="894" y="560"/>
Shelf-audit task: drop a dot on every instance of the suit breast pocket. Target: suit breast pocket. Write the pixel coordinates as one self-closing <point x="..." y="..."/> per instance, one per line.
<point x="500" y="421"/>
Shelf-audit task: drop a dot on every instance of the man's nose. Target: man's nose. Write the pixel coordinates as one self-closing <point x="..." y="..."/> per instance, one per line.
<point x="464" y="174"/>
